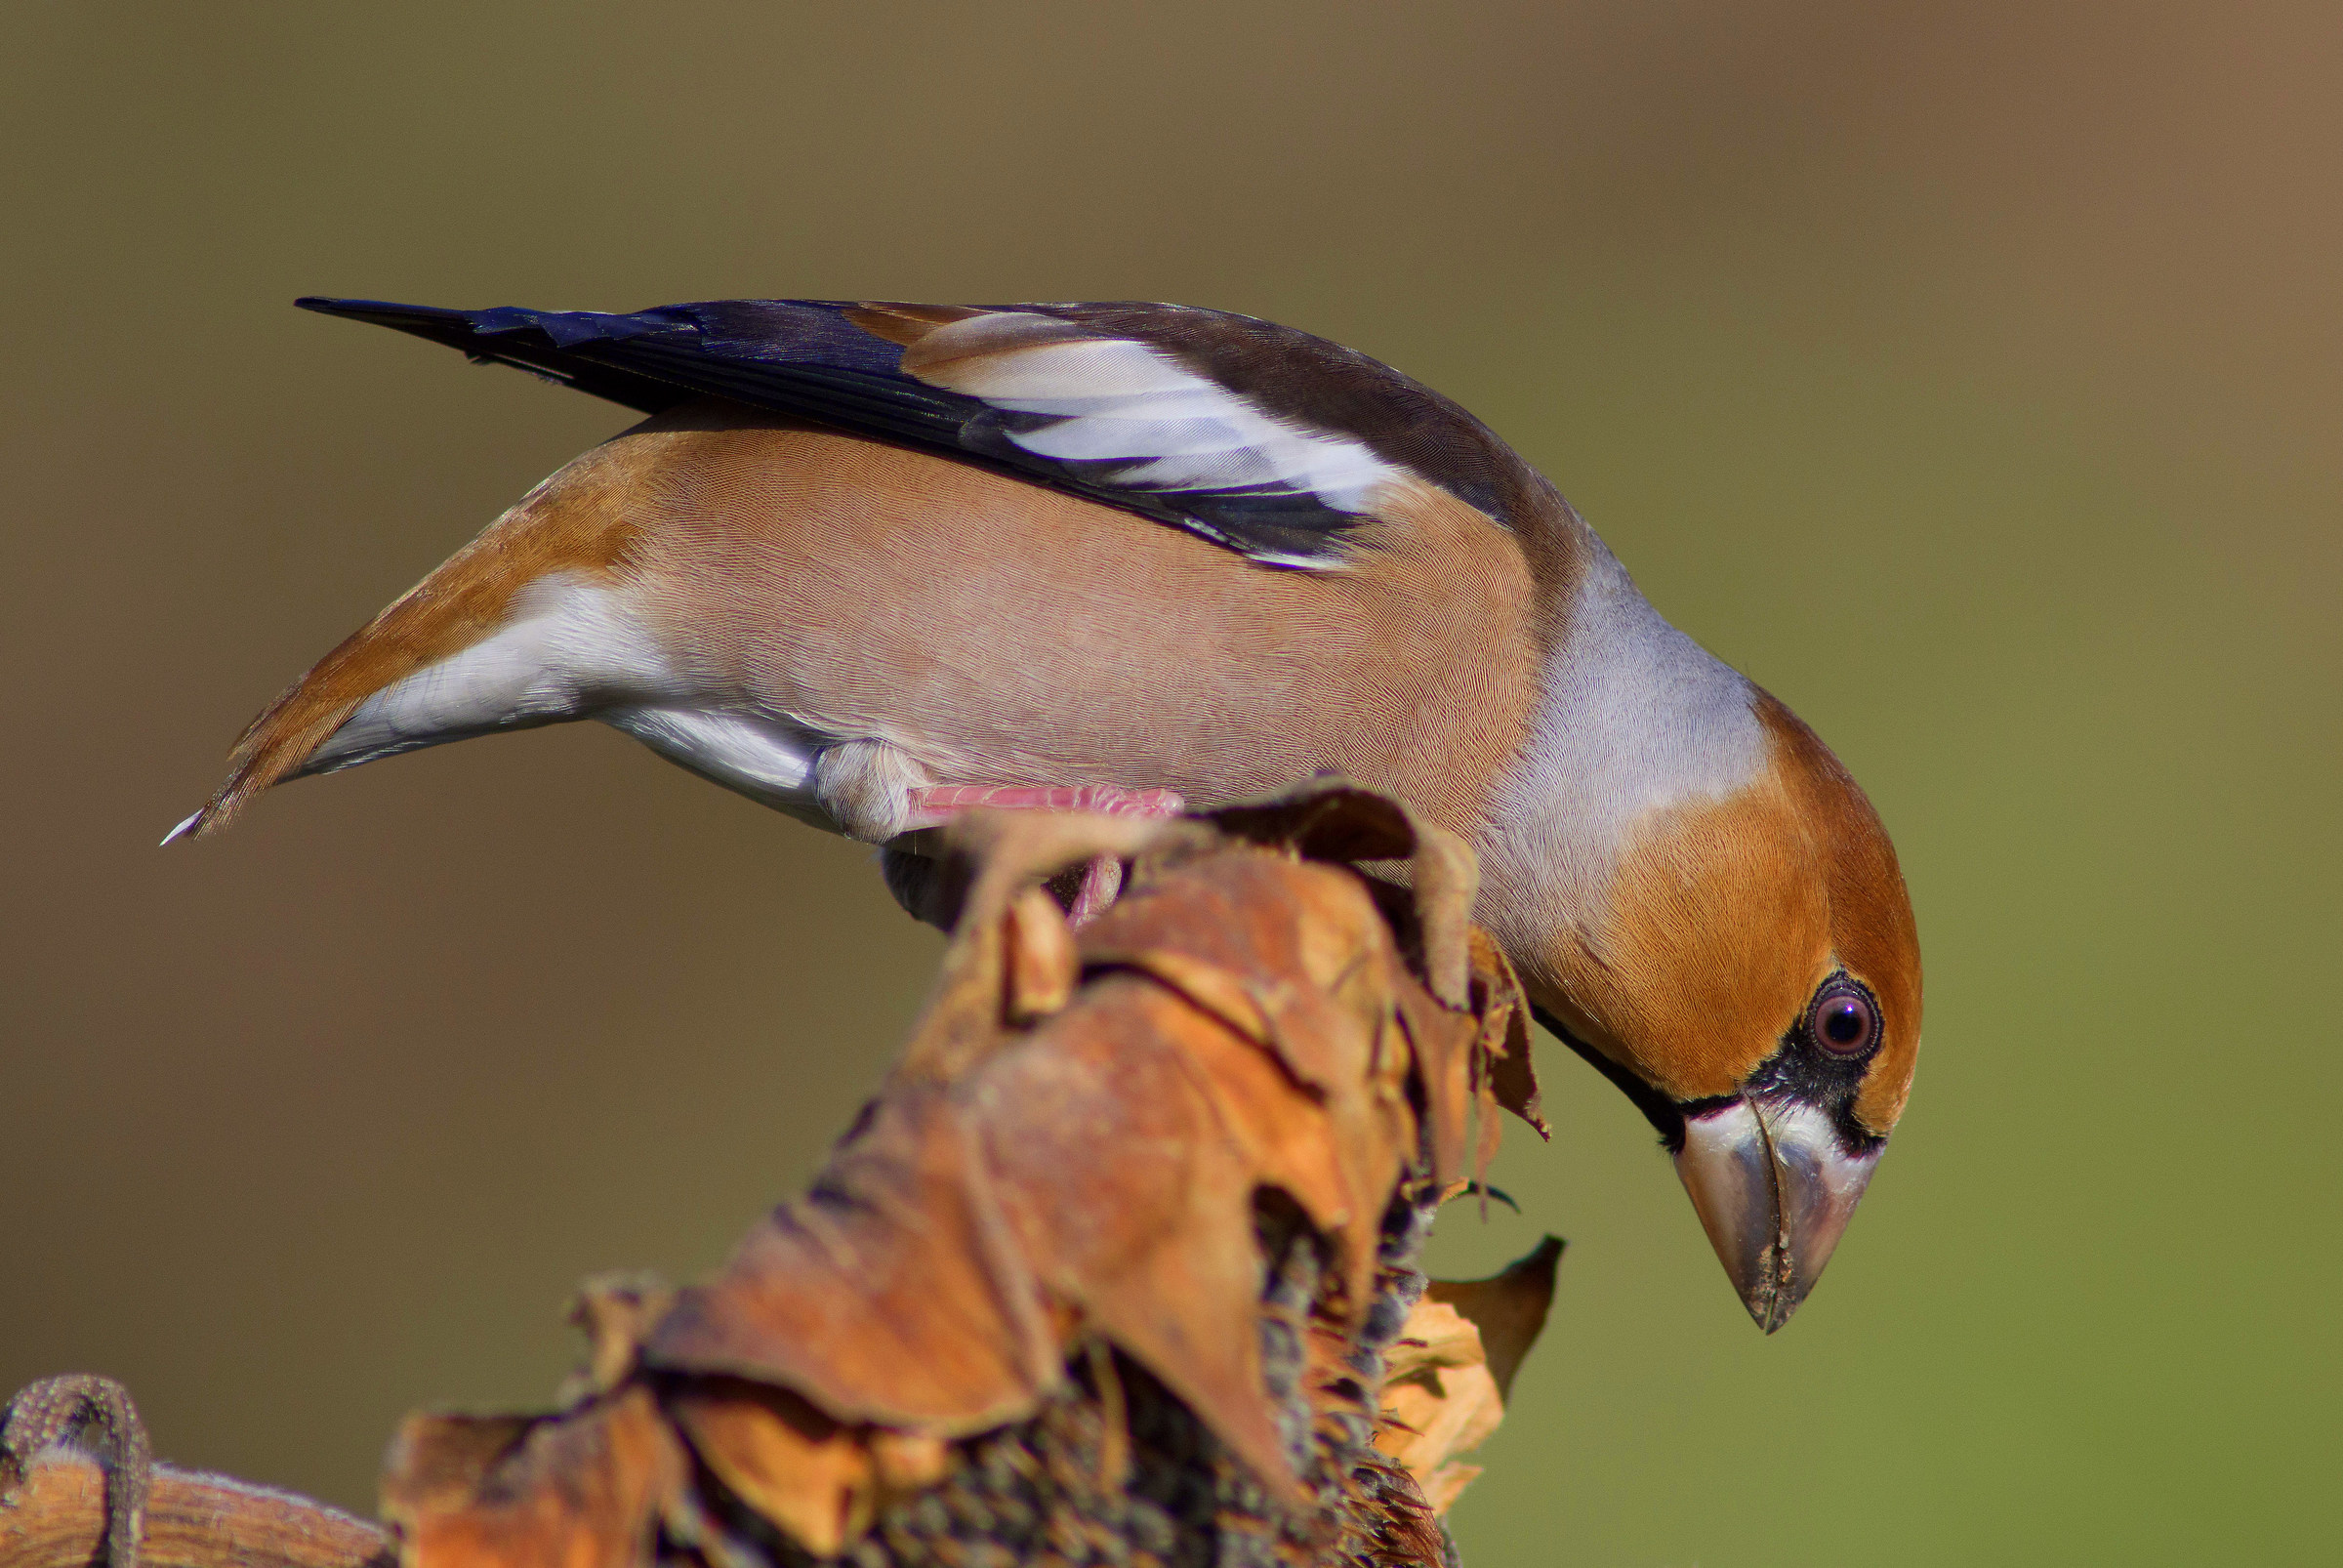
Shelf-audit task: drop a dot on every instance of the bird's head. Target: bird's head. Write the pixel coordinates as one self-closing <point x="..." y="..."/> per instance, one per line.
<point x="1754" y="984"/>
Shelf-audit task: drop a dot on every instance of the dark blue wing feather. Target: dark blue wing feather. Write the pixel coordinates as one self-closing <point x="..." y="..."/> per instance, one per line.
<point x="1266" y="438"/>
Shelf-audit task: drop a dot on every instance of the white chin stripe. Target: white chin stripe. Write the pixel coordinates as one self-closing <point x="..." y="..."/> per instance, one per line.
<point x="1122" y="403"/>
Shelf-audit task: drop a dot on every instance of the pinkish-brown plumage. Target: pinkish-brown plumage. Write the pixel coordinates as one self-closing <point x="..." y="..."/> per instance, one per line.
<point x="861" y="553"/>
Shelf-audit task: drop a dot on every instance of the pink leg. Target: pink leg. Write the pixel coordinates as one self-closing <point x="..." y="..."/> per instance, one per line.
<point x="940" y="803"/>
<point x="1102" y="878"/>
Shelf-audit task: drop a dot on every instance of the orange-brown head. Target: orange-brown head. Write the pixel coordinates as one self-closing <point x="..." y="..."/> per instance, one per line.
<point x="1747" y="971"/>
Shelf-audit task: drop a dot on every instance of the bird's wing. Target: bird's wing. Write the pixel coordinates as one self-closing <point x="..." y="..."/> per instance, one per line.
<point x="1261" y="439"/>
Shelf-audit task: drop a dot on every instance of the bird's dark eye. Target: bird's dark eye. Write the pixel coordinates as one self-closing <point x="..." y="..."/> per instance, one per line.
<point x="1845" y="1020"/>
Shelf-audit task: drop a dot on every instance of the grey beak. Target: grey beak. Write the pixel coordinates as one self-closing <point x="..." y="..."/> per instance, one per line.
<point x="1775" y="1190"/>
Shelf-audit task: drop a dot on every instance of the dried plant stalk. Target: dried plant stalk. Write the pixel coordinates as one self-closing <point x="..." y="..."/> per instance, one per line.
<point x="55" y="1517"/>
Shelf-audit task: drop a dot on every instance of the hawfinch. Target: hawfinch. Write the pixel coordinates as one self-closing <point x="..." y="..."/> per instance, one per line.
<point x="873" y="564"/>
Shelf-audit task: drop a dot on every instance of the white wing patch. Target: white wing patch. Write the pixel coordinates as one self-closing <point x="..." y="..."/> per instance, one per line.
<point x="1119" y="403"/>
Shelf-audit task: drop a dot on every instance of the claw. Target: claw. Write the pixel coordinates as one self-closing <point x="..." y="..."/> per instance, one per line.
<point x="1086" y="893"/>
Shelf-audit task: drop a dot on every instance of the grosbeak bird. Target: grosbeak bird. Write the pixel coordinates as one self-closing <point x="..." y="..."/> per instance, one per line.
<point x="873" y="564"/>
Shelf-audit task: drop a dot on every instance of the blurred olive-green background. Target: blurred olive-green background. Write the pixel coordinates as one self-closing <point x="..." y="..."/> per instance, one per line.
<point x="1971" y="375"/>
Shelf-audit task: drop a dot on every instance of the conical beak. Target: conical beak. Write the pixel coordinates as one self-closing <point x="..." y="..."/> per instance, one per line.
<point x="1774" y="1188"/>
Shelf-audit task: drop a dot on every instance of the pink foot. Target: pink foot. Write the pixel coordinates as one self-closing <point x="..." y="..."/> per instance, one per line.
<point x="940" y="803"/>
<point x="1102" y="878"/>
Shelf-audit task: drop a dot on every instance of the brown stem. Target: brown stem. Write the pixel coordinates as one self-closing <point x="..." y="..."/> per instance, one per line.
<point x="56" y="1519"/>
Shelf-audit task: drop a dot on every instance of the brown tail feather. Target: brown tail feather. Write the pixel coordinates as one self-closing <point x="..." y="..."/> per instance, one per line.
<point x="278" y="742"/>
<point x="577" y="521"/>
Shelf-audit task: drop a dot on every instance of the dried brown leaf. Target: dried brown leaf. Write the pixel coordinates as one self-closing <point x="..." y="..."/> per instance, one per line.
<point x="1297" y="958"/>
<point x="1133" y="1192"/>
<point x="1439" y="1398"/>
<point x="783" y="1458"/>
<point x="1446" y="1043"/>
<point x="1049" y="1228"/>
<point x="1121" y="1142"/>
<point x="1508" y="1308"/>
<point x="1449" y="1375"/>
<point x="581" y="1490"/>
<point x="1039" y="958"/>
<point x="1505" y="1012"/>
<point x="1324" y="819"/>
<point x="887" y="1295"/>
<point x="1001" y="856"/>
<point x="613" y="1311"/>
<point x="1070" y="1156"/>
<point x="1330" y="818"/>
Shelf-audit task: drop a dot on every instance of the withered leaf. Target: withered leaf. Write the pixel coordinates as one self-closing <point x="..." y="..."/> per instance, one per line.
<point x="581" y="1490"/>
<point x="1001" y="856"/>
<point x="887" y="1295"/>
<point x="1068" y="1164"/>
<point x="1132" y="1191"/>
<point x="614" y="1311"/>
<point x="1330" y="818"/>
<point x="1506" y="1019"/>
<point x="1508" y="1308"/>
<point x="805" y="1473"/>
<point x="1122" y="1140"/>
<point x="1439" y="1397"/>
<point x="1450" y="1371"/>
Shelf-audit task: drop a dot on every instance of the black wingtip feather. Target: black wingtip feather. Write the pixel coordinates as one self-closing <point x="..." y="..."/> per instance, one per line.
<point x="542" y="342"/>
<point x="384" y="313"/>
<point x="454" y="328"/>
<point x="811" y="359"/>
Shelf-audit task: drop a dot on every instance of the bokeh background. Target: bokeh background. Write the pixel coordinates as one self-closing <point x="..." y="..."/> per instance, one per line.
<point x="1968" y="374"/>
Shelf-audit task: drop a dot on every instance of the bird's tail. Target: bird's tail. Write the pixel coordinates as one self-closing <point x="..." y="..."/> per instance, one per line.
<point x="289" y="730"/>
<point x="568" y="529"/>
